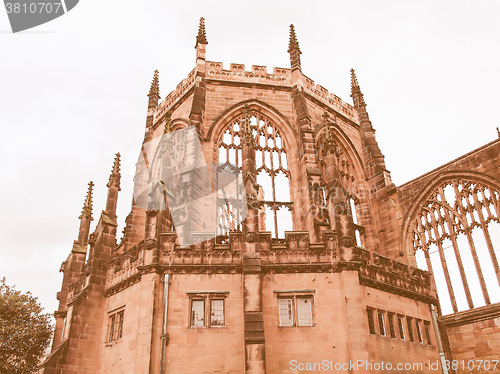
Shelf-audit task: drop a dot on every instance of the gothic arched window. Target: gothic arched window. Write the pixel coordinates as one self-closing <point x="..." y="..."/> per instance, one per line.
<point x="342" y="182"/>
<point x="271" y="173"/>
<point x="453" y="235"/>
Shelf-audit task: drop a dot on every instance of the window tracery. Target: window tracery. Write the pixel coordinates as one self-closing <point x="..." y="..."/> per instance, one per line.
<point x="453" y="235"/>
<point x="271" y="172"/>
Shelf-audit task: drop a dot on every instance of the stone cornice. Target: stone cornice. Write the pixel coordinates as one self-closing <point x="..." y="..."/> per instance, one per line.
<point x="123" y="285"/>
<point x="472" y="316"/>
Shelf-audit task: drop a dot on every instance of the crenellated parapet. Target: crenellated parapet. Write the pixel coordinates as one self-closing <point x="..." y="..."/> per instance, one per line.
<point x="395" y="277"/>
<point x="173" y="97"/>
<point x="320" y="93"/>
<point x="258" y="74"/>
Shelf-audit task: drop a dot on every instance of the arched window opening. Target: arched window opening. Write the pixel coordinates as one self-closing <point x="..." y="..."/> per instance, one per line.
<point x="358" y="230"/>
<point x="318" y="203"/>
<point x="337" y="171"/>
<point x="272" y="175"/>
<point x="453" y="236"/>
<point x="230" y="159"/>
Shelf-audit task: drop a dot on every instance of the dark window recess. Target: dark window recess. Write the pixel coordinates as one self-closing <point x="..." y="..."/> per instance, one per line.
<point x="401" y="328"/>
<point x="418" y="325"/>
<point x="112" y="328"/>
<point x="392" y="331"/>
<point x="371" y="323"/>
<point x="427" y="332"/>
<point x="409" y="322"/>
<point x="381" y="324"/>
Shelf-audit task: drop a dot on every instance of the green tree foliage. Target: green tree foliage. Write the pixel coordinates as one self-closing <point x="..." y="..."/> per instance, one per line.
<point x="24" y="331"/>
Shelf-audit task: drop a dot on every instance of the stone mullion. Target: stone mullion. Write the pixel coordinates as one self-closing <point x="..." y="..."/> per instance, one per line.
<point x="472" y="246"/>
<point x="496" y="204"/>
<point x="306" y="174"/>
<point x="453" y="239"/>
<point x="272" y="175"/>
<point x="486" y="203"/>
<point x="255" y="359"/>
<point x="484" y="227"/>
<point x="425" y="245"/>
<point x="425" y="248"/>
<point x="443" y="263"/>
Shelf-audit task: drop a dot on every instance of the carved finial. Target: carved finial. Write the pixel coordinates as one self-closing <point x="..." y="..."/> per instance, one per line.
<point x="498" y="132"/>
<point x="326" y="118"/>
<point x="114" y="178"/>
<point x="328" y="142"/>
<point x="201" y="38"/>
<point x="294" y="43"/>
<point x="168" y="124"/>
<point x="155" y="85"/>
<point x="87" y="205"/>
<point x="246" y="126"/>
<point x="294" y="50"/>
<point x="354" y="80"/>
<point x="356" y="94"/>
<point x="326" y="122"/>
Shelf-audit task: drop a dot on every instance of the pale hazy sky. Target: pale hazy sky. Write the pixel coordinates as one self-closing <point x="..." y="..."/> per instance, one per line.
<point x="73" y="93"/>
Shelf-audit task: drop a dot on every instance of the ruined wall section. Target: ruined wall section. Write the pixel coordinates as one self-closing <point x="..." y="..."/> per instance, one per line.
<point x="485" y="159"/>
<point x="475" y="335"/>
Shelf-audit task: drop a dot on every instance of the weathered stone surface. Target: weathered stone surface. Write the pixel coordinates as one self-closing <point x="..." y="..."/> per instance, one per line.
<point x="346" y="256"/>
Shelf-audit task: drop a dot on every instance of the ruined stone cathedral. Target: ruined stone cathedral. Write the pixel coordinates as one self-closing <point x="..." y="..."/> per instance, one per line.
<point x="313" y="260"/>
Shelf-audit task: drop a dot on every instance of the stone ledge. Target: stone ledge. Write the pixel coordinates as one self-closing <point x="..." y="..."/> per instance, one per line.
<point x="471" y="316"/>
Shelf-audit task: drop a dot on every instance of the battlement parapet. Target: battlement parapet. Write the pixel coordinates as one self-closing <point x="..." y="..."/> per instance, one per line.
<point x="184" y="86"/>
<point x="258" y="74"/>
<point x="322" y="94"/>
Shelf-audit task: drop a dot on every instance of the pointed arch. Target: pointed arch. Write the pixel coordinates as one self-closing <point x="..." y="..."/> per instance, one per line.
<point x="433" y="184"/>
<point x="451" y="223"/>
<point x="274" y="152"/>
<point x="220" y="123"/>
<point x="346" y="144"/>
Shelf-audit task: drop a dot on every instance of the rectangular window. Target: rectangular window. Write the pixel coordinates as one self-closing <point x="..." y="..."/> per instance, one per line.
<point x="115" y="325"/>
<point x="392" y="331"/>
<point x="418" y="325"/>
<point x="295" y="308"/>
<point x="197" y="313"/>
<point x="409" y="322"/>
<point x="207" y="308"/>
<point x="427" y="332"/>
<point x="120" y="325"/>
<point x="371" y="323"/>
<point x="217" y="312"/>
<point x="401" y="328"/>
<point x="112" y="328"/>
<point x="381" y="323"/>
<point x="304" y="311"/>
<point x="285" y="312"/>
